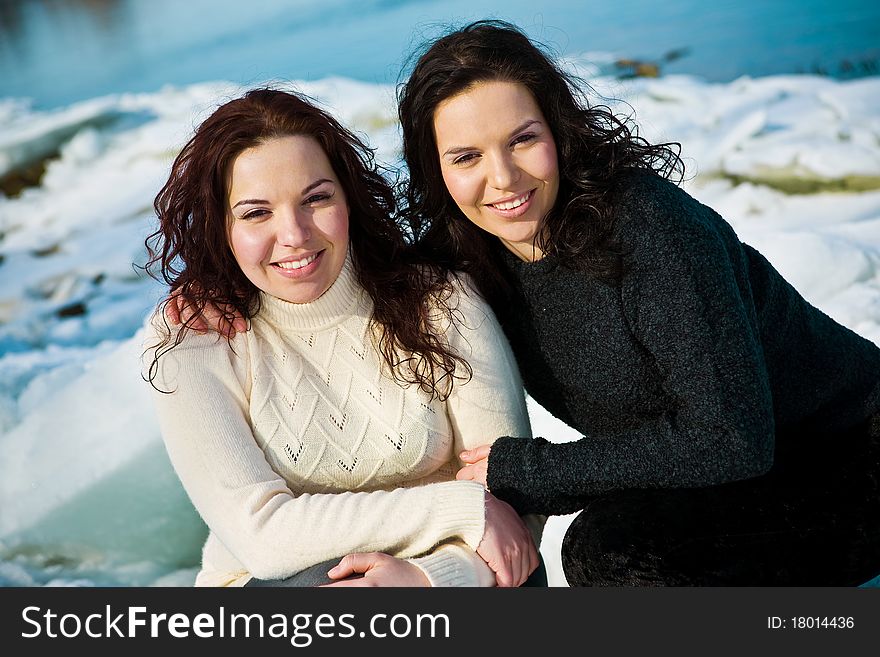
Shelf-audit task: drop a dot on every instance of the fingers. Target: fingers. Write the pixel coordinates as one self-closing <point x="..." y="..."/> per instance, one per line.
<point x="522" y="563"/>
<point x="172" y="312"/>
<point x="526" y="560"/>
<point x="187" y="315"/>
<point x="359" y="582"/>
<point x="475" y="472"/>
<point x="477" y="464"/>
<point x="507" y="546"/>
<point x="179" y="310"/>
<point x="354" y="563"/>
<point x="379" y="569"/>
<point x="534" y="561"/>
<point x="198" y="324"/>
<point x="345" y="568"/>
<point x="218" y="319"/>
<point x="475" y="454"/>
<point x="215" y="318"/>
<point x="342" y="569"/>
<point x="505" y="577"/>
<point x="516" y="571"/>
<point x="528" y="565"/>
<point x="466" y="473"/>
<point x="223" y="319"/>
<point x="225" y="327"/>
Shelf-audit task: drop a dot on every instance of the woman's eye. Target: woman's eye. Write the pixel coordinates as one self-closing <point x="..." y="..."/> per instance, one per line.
<point x="522" y="139"/>
<point x="254" y="214"/>
<point x="317" y="198"/>
<point x="464" y="159"/>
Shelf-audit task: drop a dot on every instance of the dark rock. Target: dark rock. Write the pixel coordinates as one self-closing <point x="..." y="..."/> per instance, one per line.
<point x="72" y="310"/>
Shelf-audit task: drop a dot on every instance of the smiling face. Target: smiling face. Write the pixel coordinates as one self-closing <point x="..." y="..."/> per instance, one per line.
<point x="288" y="218"/>
<point x="498" y="160"/>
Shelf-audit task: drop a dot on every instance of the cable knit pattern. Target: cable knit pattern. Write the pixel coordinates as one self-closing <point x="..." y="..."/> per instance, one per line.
<point x="323" y="380"/>
<point x="296" y="445"/>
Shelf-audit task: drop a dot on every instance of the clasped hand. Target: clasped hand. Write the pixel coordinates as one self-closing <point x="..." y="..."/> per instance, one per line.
<point x="507" y="545"/>
<point x="477" y="460"/>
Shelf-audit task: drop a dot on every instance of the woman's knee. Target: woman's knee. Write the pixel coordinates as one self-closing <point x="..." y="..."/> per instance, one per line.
<point x="599" y="550"/>
<point x="627" y="539"/>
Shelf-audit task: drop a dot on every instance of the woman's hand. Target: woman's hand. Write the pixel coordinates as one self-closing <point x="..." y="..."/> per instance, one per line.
<point x="507" y="546"/>
<point x="478" y="464"/>
<point x="378" y="569"/>
<point x="180" y="310"/>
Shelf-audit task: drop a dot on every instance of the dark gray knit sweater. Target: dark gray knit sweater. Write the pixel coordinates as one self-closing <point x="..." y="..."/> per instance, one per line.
<point x="698" y="368"/>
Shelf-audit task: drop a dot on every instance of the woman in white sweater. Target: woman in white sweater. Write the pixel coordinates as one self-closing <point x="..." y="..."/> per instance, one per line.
<point x="328" y="433"/>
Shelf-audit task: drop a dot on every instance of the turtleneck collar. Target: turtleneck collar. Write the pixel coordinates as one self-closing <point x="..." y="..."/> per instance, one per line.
<point x="523" y="267"/>
<point x="336" y="304"/>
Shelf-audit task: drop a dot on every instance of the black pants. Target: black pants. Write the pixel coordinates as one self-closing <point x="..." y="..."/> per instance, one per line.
<point x="813" y="520"/>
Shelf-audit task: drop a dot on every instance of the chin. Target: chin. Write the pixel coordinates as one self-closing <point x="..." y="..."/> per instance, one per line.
<point x="300" y="295"/>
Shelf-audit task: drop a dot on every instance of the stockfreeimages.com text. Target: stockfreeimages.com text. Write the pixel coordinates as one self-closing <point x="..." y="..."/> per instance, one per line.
<point x="300" y="629"/>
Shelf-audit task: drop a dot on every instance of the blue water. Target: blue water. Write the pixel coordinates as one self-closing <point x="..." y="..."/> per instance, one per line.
<point x="60" y="51"/>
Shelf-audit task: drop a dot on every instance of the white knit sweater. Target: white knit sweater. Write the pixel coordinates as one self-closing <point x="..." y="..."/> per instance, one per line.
<point x="296" y="446"/>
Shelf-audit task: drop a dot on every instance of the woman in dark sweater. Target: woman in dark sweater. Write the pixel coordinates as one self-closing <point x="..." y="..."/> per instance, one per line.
<point x="730" y="429"/>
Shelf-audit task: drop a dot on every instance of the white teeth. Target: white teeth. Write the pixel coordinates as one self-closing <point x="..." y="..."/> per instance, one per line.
<point x="297" y="264"/>
<point x="515" y="203"/>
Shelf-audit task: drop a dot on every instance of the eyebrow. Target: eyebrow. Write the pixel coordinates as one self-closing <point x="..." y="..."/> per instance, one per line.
<point x="455" y="150"/>
<point x="260" y="201"/>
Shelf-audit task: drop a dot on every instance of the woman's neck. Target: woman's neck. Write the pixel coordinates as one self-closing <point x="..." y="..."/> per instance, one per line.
<point x="527" y="252"/>
<point x="333" y="306"/>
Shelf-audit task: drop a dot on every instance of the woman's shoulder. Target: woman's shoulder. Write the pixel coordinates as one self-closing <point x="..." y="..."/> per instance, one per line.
<point x="464" y="294"/>
<point x="159" y="331"/>
<point x="463" y="284"/>
<point x="642" y="195"/>
<point x="170" y="349"/>
<point x="648" y="208"/>
<point x="461" y="309"/>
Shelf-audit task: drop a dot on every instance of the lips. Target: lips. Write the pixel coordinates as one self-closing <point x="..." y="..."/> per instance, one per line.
<point x="512" y="203"/>
<point x="296" y="267"/>
<point x="513" y="206"/>
<point x="297" y="264"/>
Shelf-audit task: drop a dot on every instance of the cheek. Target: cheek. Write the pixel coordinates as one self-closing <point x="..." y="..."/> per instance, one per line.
<point x="334" y="226"/>
<point x="548" y="165"/>
<point x="248" y="246"/>
<point x="459" y="187"/>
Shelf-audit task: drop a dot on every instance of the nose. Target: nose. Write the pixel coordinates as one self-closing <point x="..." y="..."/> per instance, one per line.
<point x="294" y="228"/>
<point x="504" y="172"/>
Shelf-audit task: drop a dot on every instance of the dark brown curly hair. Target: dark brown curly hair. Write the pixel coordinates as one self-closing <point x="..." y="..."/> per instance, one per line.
<point x="594" y="148"/>
<point x="190" y="251"/>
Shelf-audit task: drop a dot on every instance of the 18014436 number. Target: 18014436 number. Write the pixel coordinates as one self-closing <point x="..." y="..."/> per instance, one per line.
<point x="810" y="622"/>
<point x="821" y="622"/>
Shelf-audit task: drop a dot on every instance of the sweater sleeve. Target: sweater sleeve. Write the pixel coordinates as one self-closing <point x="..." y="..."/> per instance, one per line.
<point x="492" y="403"/>
<point x="688" y="302"/>
<point x="455" y="564"/>
<point x="251" y="510"/>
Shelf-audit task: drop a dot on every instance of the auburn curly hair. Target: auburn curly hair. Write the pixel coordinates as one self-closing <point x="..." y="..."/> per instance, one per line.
<point x="191" y="254"/>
